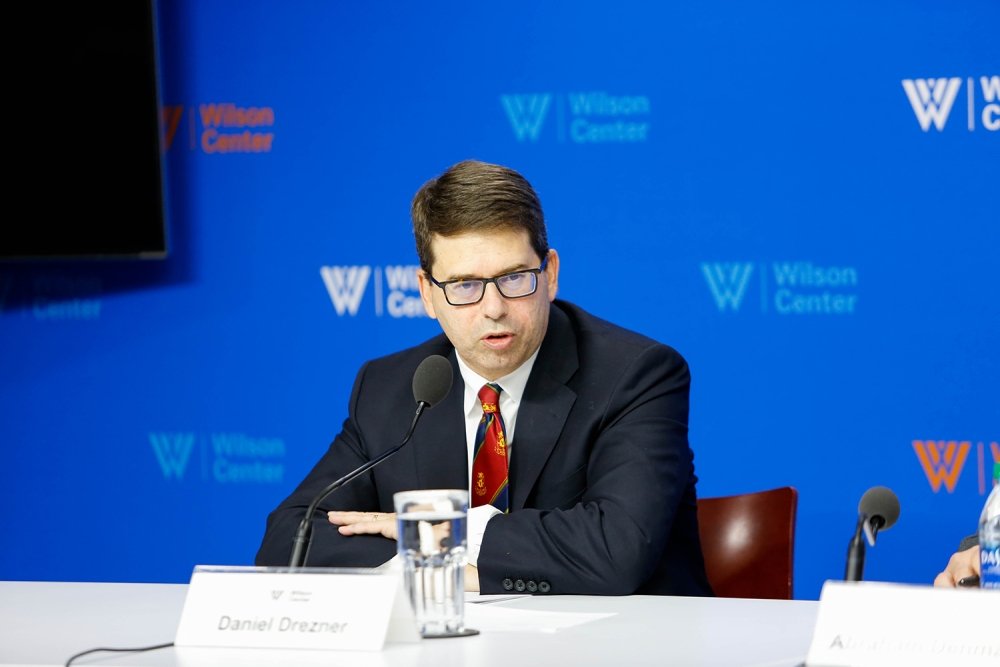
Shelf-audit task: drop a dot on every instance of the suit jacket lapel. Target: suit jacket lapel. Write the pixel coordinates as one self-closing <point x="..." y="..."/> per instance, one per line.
<point x="438" y="453"/>
<point x="544" y="408"/>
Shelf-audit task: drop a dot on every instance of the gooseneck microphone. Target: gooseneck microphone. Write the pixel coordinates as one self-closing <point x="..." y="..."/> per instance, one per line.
<point x="431" y="383"/>
<point x="878" y="510"/>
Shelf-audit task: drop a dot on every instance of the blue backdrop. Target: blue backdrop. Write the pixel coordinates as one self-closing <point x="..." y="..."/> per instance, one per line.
<point x="801" y="198"/>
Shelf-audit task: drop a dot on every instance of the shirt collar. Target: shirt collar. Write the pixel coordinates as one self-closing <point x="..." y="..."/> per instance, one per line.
<point x="513" y="383"/>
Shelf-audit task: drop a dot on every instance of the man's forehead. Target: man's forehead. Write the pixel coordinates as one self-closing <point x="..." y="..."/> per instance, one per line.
<point x="472" y="252"/>
<point x="497" y="233"/>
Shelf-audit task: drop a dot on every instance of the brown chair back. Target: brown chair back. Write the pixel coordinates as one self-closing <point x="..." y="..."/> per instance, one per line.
<point x="748" y="541"/>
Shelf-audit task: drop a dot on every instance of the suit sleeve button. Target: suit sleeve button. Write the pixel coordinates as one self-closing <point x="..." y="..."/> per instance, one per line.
<point x="519" y="585"/>
<point x="507" y="584"/>
<point x="532" y="586"/>
<point x="544" y="587"/>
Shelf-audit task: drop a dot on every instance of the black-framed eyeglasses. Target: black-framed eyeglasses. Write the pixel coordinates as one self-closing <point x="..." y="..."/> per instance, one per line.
<point x="513" y="285"/>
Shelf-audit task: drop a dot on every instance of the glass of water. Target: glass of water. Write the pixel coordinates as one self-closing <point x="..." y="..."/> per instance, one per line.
<point x="432" y="546"/>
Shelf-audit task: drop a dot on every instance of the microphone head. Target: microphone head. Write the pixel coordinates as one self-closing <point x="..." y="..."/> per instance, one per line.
<point x="432" y="380"/>
<point x="882" y="502"/>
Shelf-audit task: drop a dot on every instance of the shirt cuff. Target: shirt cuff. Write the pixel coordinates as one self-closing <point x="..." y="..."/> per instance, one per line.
<point x="478" y="517"/>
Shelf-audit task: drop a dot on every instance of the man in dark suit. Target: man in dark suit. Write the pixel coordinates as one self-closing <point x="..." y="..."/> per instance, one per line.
<point x="597" y="489"/>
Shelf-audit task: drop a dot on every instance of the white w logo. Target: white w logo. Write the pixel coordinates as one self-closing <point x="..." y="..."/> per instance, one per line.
<point x="346" y="285"/>
<point x="172" y="451"/>
<point x="526" y="113"/>
<point x="931" y="99"/>
<point x="728" y="282"/>
<point x="991" y="87"/>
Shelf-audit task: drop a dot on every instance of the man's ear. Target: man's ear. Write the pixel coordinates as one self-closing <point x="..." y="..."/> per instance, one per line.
<point x="425" y="293"/>
<point x="552" y="273"/>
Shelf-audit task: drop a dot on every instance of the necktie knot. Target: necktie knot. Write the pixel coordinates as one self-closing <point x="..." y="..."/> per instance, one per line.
<point x="489" y="396"/>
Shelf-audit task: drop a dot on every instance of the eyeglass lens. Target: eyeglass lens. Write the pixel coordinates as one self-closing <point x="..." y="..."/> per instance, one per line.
<point x="511" y="286"/>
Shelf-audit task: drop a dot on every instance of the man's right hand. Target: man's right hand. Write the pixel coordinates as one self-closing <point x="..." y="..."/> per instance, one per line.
<point x="364" y="523"/>
<point x="961" y="565"/>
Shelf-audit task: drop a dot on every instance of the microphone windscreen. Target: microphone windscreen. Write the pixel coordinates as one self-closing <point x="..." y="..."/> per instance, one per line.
<point x="432" y="380"/>
<point x="880" y="501"/>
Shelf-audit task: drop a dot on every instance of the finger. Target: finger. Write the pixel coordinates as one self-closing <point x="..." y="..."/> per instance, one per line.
<point x="961" y="565"/>
<point x="345" y="518"/>
<point x="361" y="528"/>
<point x="385" y="528"/>
<point x="471" y="578"/>
<point x="975" y="562"/>
<point x="349" y="518"/>
<point x="944" y="580"/>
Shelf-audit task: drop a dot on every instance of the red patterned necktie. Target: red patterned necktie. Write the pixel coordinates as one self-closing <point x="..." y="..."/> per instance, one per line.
<point x="489" y="462"/>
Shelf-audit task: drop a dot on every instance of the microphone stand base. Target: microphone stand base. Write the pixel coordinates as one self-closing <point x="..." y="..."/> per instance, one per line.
<point x="464" y="632"/>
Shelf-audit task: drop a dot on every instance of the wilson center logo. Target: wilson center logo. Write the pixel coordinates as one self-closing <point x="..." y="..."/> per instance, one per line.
<point x="224" y="127"/>
<point x="526" y="114"/>
<point x="728" y="282"/>
<point x="66" y="297"/>
<point x="786" y="288"/>
<point x="943" y="461"/>
<point x="396" y="289"/>
<point x="346" y="286"/>
<point x="225" y="458"/>
<point x="933" y="99"/>
<point x="580" y="118"/>
<point x="173" y="451"/>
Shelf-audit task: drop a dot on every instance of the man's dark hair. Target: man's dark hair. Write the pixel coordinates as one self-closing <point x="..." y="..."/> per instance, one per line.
<point x="476" y="196"/>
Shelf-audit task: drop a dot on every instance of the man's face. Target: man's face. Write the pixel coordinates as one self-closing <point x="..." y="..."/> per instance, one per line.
<point x="498" y="334"/>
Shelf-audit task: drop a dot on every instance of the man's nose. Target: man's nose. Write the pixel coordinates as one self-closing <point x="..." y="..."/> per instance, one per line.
<point x="494" y="304"/>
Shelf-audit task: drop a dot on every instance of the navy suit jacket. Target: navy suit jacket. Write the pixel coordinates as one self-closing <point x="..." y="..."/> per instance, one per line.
<point x="602" y="483"/>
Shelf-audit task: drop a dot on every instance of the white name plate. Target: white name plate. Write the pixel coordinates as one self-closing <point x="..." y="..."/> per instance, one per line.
<point x="308" y="608"/>
<point x="862" y="624"/>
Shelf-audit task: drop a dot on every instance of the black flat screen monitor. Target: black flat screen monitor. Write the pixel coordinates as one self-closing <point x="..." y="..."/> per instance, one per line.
<point x="85" y="177"/>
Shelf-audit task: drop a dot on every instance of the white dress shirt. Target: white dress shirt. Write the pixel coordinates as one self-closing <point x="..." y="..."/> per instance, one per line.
<point x="512" y="390"/>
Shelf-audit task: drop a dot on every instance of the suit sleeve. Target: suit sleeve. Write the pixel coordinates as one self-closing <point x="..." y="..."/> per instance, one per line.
<point x="637" y="472"/>
<point x="968" y="542"/>
<point x="329" y="548"/>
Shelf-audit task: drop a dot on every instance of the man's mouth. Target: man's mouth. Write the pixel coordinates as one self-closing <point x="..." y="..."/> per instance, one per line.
<point x="497" y="341"/>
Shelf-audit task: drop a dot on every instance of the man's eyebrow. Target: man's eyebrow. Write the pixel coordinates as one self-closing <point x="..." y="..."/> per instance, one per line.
<point x="514" y="268"/>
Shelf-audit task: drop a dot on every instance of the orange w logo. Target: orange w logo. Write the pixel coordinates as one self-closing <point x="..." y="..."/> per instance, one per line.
<point x="171" y="117"/>
<point x="942" y="461"/>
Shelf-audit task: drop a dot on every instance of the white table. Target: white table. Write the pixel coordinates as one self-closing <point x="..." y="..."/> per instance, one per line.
<point x="44" y="623"/>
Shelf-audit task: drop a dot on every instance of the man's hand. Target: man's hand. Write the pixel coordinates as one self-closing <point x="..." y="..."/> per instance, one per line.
<point x="961" y="565"/>
<point x="364" y="523"/>
<point x="384" y="524"/>
<point x="472" y="579"/>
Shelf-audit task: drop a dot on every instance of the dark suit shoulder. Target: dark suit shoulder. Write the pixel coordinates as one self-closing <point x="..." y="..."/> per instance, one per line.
<point x="606" y="340"/>
<point x="404" y="362"/>
<point x="385" y="384"/>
